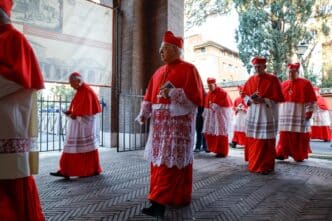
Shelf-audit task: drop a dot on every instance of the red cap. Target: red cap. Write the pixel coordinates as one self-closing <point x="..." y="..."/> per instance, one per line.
<point x="294" y="66"/>
<point x="171" y="39"/>
<point x="75" y="74"/>
<point x="258" y="60"/>
<point x="211" y="80"/>
<point x="6" y="6"/>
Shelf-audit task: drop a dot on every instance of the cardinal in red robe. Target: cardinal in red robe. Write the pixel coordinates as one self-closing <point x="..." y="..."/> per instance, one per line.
<point x="294" y="116"/>
<point x="239" y="136"/>
<point x="171" y="100"/>
<point x="321" y="122"/>
<point x="262" y="93"/>
<point x="20" y="79"/>
<point x="80" y="154"/>
<point x="217" y="119"/>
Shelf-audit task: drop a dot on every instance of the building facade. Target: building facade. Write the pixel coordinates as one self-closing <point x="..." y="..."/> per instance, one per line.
<point x="214" y="60"/>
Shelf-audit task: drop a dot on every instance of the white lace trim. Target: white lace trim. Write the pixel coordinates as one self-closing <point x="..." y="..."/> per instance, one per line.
<point x="15" y="145"/>
<point x="145" y="112"/>
<point x="170" y="140"/>
<point x="180" y="104"/>
<point x="82" y="135"/>
<point x="217" y="120"/>
<point x="321" y="118"/>
<point x="262" y="120"/>
<point x="171" y="136"/>
<point x="240" y="121"/>
<point x="292" y="117"/>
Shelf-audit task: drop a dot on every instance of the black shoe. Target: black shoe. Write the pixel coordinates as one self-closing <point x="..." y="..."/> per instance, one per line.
<point x="206" y="150"/>
<point x="155" y="210"/>
<point x="280" y="158"/>
<point x="197" y="150"/>
<point x="58" y="174"/>
<point x="267" y="172"/>
<point x="233" y="144"/>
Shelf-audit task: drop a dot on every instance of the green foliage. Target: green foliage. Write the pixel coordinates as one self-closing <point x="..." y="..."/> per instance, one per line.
<point x="63" y="91"/>
<point x="272" y="29"/>
<point x="308" y="74"/>
<point x="268" y="28"/>
<point x="325" y="29"/>
<point x="196" y="12"/>
<point x="327" y="82"/>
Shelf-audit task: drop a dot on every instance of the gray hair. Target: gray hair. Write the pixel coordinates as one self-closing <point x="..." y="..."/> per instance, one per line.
<point x="75" y="77"/>
<point x="4" y="17"/>
<point x="180" y="50"/>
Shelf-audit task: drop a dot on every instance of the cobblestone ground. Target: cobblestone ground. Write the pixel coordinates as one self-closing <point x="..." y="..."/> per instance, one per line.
<point x="223" y="190"/>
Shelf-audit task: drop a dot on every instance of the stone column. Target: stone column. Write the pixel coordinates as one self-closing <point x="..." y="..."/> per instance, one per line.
<point x="139" y="29"/>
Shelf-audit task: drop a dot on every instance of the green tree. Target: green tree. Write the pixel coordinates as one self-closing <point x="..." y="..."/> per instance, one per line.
<point x="327" y="80"/>
<point x="269" y="28"/>
<point x="62" y="90"/>
<point x="272" y="29"/>
<point x="196" y="12"/>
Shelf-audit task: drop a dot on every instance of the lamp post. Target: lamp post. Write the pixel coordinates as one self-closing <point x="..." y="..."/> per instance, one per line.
<point x="301" y="49"/>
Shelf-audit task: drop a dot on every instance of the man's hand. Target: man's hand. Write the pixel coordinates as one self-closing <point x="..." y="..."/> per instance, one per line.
<point x="258" y="100"/>
<point x="66" y="112"/>
<point x="164" y="93"/>
<point x="140" y="119"/>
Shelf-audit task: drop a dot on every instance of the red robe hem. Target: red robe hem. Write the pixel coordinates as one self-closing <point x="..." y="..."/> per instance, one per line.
<point x="261" y="154"/>
<point x="80" y="164"/>
<point x="217" y="144"/>
<point x="321" y="133"/>
<point x="239" y="138"/>
<point x="20" y="200"/>
<point x="296" y="145"/>
<point x="171" y="186"/>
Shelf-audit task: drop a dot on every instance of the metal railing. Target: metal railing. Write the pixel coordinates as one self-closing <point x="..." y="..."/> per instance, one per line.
<point x="132" y="136"/>
<point x="53" y="123"/>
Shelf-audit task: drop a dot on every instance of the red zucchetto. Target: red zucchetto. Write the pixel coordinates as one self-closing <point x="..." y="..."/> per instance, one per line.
<point x="294" y="66"/>
<point x="258" y="60"/>
<point x="6" y="6"/>
<point x="75" y="74"/>
<point x="211" y="80"/>
<point x="171" y="39"/>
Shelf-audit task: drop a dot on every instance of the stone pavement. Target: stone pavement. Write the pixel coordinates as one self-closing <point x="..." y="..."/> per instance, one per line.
<point x="223" y="190"/>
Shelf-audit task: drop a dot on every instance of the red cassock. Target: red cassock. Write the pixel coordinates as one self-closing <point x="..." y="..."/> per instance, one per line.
<point x="19" y="199"/>
<point x="261" y="129"/>
<point x="170" y="143"/>
<point x="320" y="128"/>
<point x="294" y="115"/>
<point x="217" y="120"/>
<point x="80" y="155"/>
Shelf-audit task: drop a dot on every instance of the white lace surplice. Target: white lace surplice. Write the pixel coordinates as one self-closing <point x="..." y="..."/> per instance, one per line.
<point x="240" y="121"/>
<point x="292" y="117"/>
<point x="172" y="130"/>
<point x="320" y="117"/>
<point x="15" y="142"/>
<point x="82" y="135"/>
<point x="217" y="120"/>
<point x="262" y="120"/>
